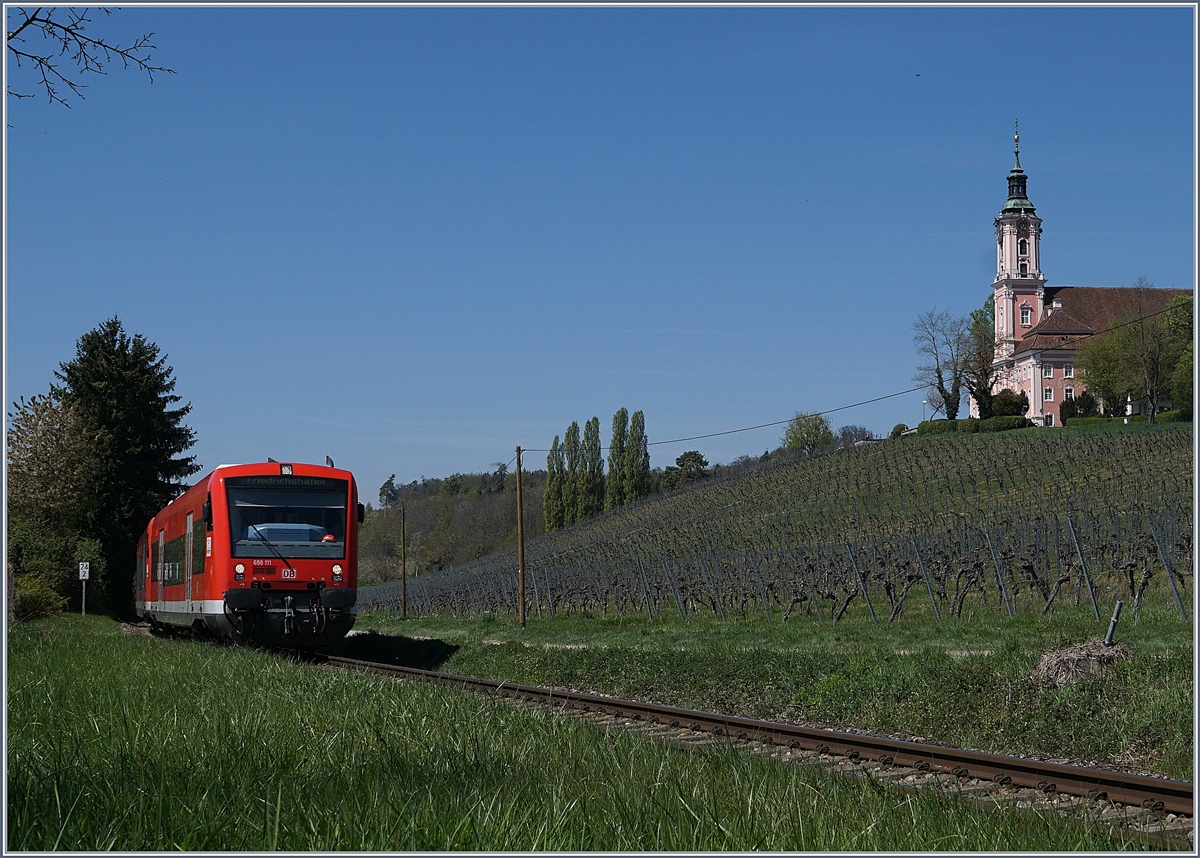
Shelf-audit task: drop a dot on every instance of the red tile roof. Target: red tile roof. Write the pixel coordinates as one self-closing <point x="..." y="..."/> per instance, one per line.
<point x="1089" y="309"/>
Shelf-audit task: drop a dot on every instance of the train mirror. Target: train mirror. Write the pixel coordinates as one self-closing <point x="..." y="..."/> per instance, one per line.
<point x="206" y="512"/>
<point x="362" y="513"/>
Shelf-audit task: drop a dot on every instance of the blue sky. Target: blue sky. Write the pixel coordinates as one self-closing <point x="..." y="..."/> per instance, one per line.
<point x="412" y="239"/>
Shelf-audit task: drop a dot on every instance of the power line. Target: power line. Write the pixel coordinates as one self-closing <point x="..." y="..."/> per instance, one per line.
<point x="1073" y="340"/>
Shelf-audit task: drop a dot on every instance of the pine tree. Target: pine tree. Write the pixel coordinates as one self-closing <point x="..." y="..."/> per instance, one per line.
<point x="552" y="503"/>
<point x="591" y="472"/>
<point x="120" y="387"/>
<point x="615" y="483"/>
<point x="570" y="479"/>
<point x="636" y="466"/>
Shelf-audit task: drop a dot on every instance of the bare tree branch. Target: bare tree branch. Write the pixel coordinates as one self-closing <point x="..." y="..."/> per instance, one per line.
<point x="65" y="41"/>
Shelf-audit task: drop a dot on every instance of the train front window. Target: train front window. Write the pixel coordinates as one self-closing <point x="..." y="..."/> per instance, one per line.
<point x="298" y="516"/>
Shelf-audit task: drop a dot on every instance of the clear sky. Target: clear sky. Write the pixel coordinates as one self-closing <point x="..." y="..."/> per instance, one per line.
<point x="412" y="239"/>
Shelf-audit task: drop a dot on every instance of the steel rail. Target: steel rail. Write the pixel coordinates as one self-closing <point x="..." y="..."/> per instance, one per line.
<point x="1159" y="794"/>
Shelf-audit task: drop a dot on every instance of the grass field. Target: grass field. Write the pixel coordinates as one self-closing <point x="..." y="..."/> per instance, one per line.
<point x="121" y="742"/>
<point x="965" y="683"/>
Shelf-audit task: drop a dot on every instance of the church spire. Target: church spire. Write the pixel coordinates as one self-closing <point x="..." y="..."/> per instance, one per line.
<point x="1018" y="201"/>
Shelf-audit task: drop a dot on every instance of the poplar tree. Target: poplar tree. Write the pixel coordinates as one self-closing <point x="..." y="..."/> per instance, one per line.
<point x="615" y="484"/>
<point x="591" y="472"/>
<point x="552" y="504"/>
<point x="570" y="476"/>
<point x="636" y="461"/>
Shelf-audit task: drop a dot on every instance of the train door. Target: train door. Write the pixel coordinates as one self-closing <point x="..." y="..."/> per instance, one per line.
<point x="187" y="563"/>
<point x="162" y="589"/>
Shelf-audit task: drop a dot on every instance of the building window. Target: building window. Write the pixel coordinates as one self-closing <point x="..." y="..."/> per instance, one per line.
<point x="1023" y="247"/>
<point x="1048" y="394"/>
<point x="1049" y="419"/>
<point x="1024" y="268"/>
<point x="1068" y="371"/>
<point x="1026" y="312"/>
<point x="1069" y="394"/>
<point x="1047" y="371"/>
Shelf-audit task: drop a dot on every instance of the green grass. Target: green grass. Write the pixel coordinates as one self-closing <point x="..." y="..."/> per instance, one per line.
<point x="118" y="742"/>
<point x="960" y="682"/>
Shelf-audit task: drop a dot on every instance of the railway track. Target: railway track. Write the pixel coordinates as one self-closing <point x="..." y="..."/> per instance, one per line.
<point x="1158" y="807"/>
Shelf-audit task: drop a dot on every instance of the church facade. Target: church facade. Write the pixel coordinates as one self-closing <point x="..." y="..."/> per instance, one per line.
<point x="1039" y="327"/>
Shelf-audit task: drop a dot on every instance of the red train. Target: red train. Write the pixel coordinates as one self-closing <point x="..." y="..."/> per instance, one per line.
<point x="264" y="553"/>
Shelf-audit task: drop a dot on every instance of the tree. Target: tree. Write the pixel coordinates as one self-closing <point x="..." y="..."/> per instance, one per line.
<point x="591" y="472"/>
<point x="614" y="488"/>
<point x="1006" y="403"/>
<point x="635" y="468"/>
<point x="941" y="339"/>
<point x="552" y="502"/>
<point x="570" y="478"/>
<point x="979" y="355"/>
<point x="689" y="467"/>
<point x="848" y="436"/>
<point x="120" y="390"/>
<point x="389" y="495"/>
<point x="1138" y="354"/>
<point x="64" y="33"/>
<point x="51" y="470"/>
<point x="808" y="433"/>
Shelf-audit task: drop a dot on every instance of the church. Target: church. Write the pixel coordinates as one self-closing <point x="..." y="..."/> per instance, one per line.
<point x="1038" y="327"/>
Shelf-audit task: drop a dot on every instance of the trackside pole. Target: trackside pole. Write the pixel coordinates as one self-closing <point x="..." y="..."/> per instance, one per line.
<point x="520" y="548"/>
<point x="84" y="571"/>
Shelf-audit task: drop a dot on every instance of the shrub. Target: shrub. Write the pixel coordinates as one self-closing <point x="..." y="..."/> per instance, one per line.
<point x="937" y="427"/>
<point x="898" y="430"/>
<point x="971" y="424"/>
<point x="1178" y="415"/>
<point x="34" y="597"/>
<point x="1003" y="423"/>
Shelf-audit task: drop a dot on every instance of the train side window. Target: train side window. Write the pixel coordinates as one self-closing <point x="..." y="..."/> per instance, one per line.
<point x="198" y="539"/>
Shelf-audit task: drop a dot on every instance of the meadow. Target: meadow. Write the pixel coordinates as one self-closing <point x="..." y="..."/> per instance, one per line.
<point x="965" y="682"/>
<point x="126" y="742"/>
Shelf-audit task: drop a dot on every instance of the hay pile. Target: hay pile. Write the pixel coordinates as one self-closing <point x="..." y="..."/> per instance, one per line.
<point x="1082" y="661"/>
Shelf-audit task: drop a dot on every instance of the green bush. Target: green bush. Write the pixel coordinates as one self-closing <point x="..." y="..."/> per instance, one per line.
<point x="898" y="430"/>
<point x="1003" y="424"/>
<point x="1176" y="416"/>
<point x="937" y="427"/>
<point x="971" y="424"/>
<point x="34" y="597"/>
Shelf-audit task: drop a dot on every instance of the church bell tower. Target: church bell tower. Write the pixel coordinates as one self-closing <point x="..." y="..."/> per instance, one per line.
<point x="1019" y="285"/>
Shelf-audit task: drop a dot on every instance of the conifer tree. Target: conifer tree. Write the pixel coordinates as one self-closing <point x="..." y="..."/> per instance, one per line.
<point x="121" y="390"/>
<point x="591" y="472"/>
<point x="552" y="504"/>
<point x="636" y="466"/>
<point x="570" y="477"/>
<point x="614" y="485"/>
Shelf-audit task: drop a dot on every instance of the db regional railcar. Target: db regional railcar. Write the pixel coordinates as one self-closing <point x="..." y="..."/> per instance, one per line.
<point x="263" y="553"/>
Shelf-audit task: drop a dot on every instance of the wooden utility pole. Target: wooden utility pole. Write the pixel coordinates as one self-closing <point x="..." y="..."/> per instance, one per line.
<point x="520" y="547"/>
<point x="403" y="570"/>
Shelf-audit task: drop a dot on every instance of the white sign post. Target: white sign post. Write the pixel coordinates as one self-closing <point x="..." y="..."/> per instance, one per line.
<point x="84" y="570"/>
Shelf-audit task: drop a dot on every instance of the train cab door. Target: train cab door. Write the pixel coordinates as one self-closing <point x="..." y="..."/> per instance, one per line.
<point x="187" y="563"/>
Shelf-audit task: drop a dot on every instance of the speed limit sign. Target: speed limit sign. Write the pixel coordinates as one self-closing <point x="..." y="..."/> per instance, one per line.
<point x="84" y="569"/>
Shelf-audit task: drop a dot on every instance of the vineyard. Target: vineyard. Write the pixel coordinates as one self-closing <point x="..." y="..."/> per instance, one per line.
<point x="1023" y="521"/>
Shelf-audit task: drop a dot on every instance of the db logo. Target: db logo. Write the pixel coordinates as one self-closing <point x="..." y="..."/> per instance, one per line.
<point x="288" y="573"/>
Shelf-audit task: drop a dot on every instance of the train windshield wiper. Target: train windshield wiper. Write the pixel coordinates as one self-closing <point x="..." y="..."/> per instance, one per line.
<point x="271" y="546"/>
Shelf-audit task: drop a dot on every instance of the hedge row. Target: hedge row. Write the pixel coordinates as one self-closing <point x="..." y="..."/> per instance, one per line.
<point x="992" y="424"/>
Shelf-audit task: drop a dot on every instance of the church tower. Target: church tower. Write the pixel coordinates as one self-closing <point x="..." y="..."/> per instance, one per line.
<point x="1019" y="285"/>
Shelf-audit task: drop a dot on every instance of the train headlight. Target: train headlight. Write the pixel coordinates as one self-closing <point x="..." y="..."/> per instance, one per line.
<point x="337" y="571"/>
<point x="239" y="572"/>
